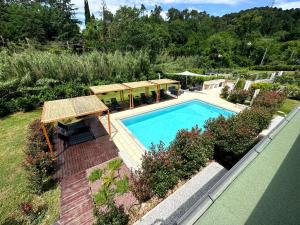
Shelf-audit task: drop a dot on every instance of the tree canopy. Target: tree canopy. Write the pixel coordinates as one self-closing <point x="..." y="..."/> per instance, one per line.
<point x="235" y="39"/>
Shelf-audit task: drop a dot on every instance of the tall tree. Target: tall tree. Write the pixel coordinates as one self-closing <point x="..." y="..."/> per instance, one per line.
<point x="87" y="13"/>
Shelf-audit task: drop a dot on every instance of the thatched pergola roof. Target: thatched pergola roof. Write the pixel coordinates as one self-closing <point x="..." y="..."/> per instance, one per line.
<point x="164" y="81"/>
<point x="71" y="108"/>
<point x="101" y="89"/>
<point x="139" y="84"/>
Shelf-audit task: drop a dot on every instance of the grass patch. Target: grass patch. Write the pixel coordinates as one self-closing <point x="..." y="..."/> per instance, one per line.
<point x="288" y="105"/>
<point x="14" y="185"/>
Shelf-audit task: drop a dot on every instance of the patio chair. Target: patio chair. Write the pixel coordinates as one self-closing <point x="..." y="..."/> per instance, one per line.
<point x="146" y="99"/>
<point x="154" y="95"/>
<point x="136" y="100"/>
<point x="69" y="129"/>
<point x="197" y="87"/>
<point x="74" y="133"/>
<point x="115" y="105"/>
<point x="162" y="94"/>
<point x="173" y="90"/>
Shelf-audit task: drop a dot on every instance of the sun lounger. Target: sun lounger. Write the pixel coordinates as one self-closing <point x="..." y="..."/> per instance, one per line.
<point x="115" y="105"/>
<point x="162" y="94"/>
<point x="145" y="99"/>
<point x="154" y="95"/>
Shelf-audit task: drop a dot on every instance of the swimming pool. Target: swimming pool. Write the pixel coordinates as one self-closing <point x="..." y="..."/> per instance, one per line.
<point x="163" y="124"/>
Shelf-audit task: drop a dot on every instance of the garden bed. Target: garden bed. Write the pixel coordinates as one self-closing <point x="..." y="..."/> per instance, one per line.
<point x="132" y="207"/>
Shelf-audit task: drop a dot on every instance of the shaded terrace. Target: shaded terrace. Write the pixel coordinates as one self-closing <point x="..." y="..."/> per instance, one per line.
<point x="80" y="144"/>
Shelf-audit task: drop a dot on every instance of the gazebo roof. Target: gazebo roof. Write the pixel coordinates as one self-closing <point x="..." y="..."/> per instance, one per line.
<point x="101" y="89"/>
<point x="164" y="81"/>
<point x="139" y="84"/>
<point x="71" y="108"/>
<point x="189" y="74"/>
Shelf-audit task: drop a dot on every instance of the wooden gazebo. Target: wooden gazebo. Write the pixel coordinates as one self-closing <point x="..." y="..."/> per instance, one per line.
<point x="139" y="84"/>
<point x="103" y="89"/>
<point x="71" y="108"/>
<point x="164" y="82"/>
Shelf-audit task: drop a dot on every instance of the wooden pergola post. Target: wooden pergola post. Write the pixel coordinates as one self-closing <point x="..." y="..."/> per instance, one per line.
<point x="47" y="140"/>
<point x="157" y="93"/>
<point x="131" y="99"/>
<point x="108" y="122"/>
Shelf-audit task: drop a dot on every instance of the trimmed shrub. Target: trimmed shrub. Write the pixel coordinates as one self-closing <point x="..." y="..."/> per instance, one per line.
<point x="190" y="152"/>
<point x="292" y="91"/>
<point x="257" y="117"/>
<point x="140" y="185"/>
<point x="262" y="86"/>
<point x="225" y="92"/>
<point x="163" y="168"/>
<point x="270" y="99"/>
<point x="156" y="176"/>
<point x="163" y="176"/>
<point x="231" y="138"/>
<point x="238" y="96"/>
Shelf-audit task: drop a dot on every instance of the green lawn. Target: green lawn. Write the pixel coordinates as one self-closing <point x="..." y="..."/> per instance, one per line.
<point x="13" y="182"/>
<point x="288" y="105"/>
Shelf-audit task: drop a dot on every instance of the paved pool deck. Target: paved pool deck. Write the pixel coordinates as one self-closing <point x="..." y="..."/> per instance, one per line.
<point x="268" y="190"/>
<point x="129" y="147"/>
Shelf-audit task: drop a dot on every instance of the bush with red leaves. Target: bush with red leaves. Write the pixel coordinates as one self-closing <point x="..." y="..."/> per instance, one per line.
<point x="270" y="99"/>
<point x="38" y="161"/>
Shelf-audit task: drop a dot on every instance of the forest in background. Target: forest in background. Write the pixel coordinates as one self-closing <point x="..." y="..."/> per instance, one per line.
<point x="233" y="40"/>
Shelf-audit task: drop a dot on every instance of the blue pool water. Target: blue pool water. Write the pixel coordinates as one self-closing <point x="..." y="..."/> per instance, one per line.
<point x="163" y="124"/>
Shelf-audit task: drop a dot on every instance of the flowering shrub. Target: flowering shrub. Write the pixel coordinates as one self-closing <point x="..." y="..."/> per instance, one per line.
<point x="163" y="168"/>
<point x="238" y="96"/>
<point x="257" y="117"/>
<point x="190" y="152"/>
<point x="233" y="137"/>
<point x="38" y="161"/>
<point x="269" y="99"/>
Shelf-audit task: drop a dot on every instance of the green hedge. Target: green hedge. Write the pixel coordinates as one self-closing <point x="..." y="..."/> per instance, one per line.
<point x="277" y="67"/>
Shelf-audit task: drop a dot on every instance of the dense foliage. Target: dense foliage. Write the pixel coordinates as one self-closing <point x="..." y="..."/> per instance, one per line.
<point x="40" y="21"/>
<point x="236" y="39"/>
<point x="238" y="96"/>
<point x="28" y="79"/>
<point x="38" y="162"/>
<point x="270" y="99"/>
<point x="162" y="167"/>
<point x="234" y="136"/>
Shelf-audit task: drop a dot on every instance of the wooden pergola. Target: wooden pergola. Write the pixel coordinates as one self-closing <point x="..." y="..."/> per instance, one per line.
<point x="139" y="84"/>
<point x="103" y="89"/>
<point x="71" y="108"/>
<point x="164" y="82"/>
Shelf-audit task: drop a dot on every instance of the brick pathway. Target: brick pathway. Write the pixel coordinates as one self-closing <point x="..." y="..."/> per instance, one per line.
<point x="76" y="203"/>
